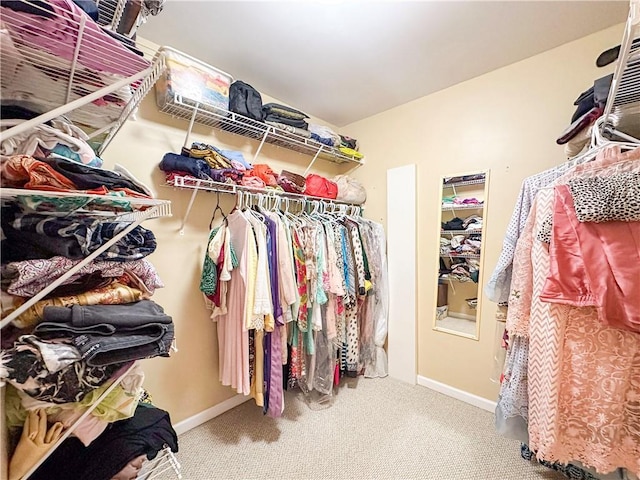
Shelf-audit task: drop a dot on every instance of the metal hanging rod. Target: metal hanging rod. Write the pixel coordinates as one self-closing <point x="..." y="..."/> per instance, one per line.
<point x="197" y="185"/>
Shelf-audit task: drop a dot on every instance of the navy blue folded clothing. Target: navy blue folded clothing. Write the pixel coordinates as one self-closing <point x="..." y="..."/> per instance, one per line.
<point x="172" y="162"/>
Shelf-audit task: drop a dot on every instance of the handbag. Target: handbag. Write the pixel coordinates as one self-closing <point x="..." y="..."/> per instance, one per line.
<point x="318" y="186"/>
<point x="291" y="182"/>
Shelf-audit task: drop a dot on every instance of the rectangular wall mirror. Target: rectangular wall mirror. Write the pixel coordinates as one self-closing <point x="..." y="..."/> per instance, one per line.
<point x="462" y="212"/>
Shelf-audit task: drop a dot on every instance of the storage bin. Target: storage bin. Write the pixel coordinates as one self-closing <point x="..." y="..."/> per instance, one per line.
<point x="194" y="81"/>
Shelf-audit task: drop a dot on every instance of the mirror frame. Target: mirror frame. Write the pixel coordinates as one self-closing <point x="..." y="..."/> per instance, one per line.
<point x="480" y="295"/>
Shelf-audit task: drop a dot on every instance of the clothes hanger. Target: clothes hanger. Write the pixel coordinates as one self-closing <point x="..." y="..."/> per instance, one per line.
<point x="238" y="205"/>
<point x="217" y="209"/>
<point x="257" y="198"/>
<point x="293" y="218"/>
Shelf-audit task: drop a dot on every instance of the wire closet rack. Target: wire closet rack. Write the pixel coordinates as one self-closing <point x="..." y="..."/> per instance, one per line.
<point x="622" y="112"/>
<point x="57" y="61"/>
<point x="197" y="185"/>
<point x="190" y="105"/>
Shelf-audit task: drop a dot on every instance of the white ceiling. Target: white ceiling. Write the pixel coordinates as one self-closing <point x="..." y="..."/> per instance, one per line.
<point x="346" y="60"/>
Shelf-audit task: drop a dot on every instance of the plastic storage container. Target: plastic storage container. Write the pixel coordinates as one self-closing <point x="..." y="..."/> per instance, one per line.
<point x="187" y="78"/>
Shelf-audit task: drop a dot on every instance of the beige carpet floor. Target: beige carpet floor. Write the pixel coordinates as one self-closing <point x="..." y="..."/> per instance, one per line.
<point x="375" y="429"/>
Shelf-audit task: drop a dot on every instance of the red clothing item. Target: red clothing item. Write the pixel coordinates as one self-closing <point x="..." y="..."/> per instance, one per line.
<point x="594" y="264"/>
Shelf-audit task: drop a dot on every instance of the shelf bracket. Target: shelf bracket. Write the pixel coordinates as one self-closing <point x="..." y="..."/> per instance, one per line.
<point x="191" y="200"/>
<point x="193" y="119"/>
<point x="264" y="139"/>
<point x="76" y="54"/>
<point x="313" y="161"/>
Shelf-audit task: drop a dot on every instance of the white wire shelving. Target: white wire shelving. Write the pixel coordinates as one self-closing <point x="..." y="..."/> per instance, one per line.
<point x="61" y="62"/>
<point x="474" y="231"/>
<point x="143" y="209"/>
<point x="110" y="12"/>
<point x="182" y="107"/>
<point x="464" y="183"/>
<point x="455" y="279"/>
<point x="462" y="206"/>
<point x="460" y="255"/>
<point x="164" y="462"/>
<point x="622" y="111"/>
<point x="114" y="207"/>
<point x="195" y="184"/>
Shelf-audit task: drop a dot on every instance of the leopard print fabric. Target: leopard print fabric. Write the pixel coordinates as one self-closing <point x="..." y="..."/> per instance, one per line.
<point x="606" y="199"/>
<point x="601" y="199"/>
<point x="544" y="232"/>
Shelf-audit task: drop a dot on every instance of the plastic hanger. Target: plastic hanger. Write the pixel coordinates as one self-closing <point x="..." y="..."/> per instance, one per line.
<point x="217" y="209"/>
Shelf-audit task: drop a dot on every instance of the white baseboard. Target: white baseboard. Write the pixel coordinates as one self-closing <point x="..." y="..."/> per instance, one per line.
<point x="466" y="397"/>
<point x="202" y="417"/>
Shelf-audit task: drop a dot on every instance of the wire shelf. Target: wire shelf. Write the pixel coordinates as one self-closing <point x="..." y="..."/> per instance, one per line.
<point x="477" y="231"/>
<point x="164" y="462"/>
<point x="455" y="279"/>
<point x="464" y="183"/>
<point x="60" y="62"/>
<point x="94" y="205"/>
<point x="214" y="117"/>
<point x="211" y="186"/>
<point x="446" y="206"/>
<point x="460" y="255"/>
<point x="622" y="111"/>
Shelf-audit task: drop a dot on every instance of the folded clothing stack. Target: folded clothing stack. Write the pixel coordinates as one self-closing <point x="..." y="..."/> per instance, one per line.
<point x="32" y="236"/>
<point x="206" y="162"/>
<point x="111" y="334"/>
<point x="274" y="112"/>
<point x="472" y="222"/>
<point x="454" y="200"/>
<point x="460" y="245"/>
<point x="463" y="178"/>
<point x="589" y="107"/>
<point x="462" y="270"/>
<point x="64" y="175"/>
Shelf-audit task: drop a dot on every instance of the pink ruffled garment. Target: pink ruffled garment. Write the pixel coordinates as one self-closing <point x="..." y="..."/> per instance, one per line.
<point x="594" y="264"/>
<point x="584" y="377"/>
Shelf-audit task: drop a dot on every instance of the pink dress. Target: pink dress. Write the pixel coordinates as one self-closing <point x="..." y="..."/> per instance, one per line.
<point x="594" y="264"/>
<point x="583" y="376"/>
<point x="233" y="338"/>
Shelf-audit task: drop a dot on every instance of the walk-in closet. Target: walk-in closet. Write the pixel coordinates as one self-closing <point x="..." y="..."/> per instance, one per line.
<point x="319" y="240"/>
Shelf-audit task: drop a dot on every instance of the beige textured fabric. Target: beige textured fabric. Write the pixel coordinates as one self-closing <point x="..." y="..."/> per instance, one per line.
<point x="376" y="429"/>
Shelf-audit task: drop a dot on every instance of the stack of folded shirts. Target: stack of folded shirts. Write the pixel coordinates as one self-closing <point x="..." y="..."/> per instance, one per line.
<point x="274" y="112"/>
